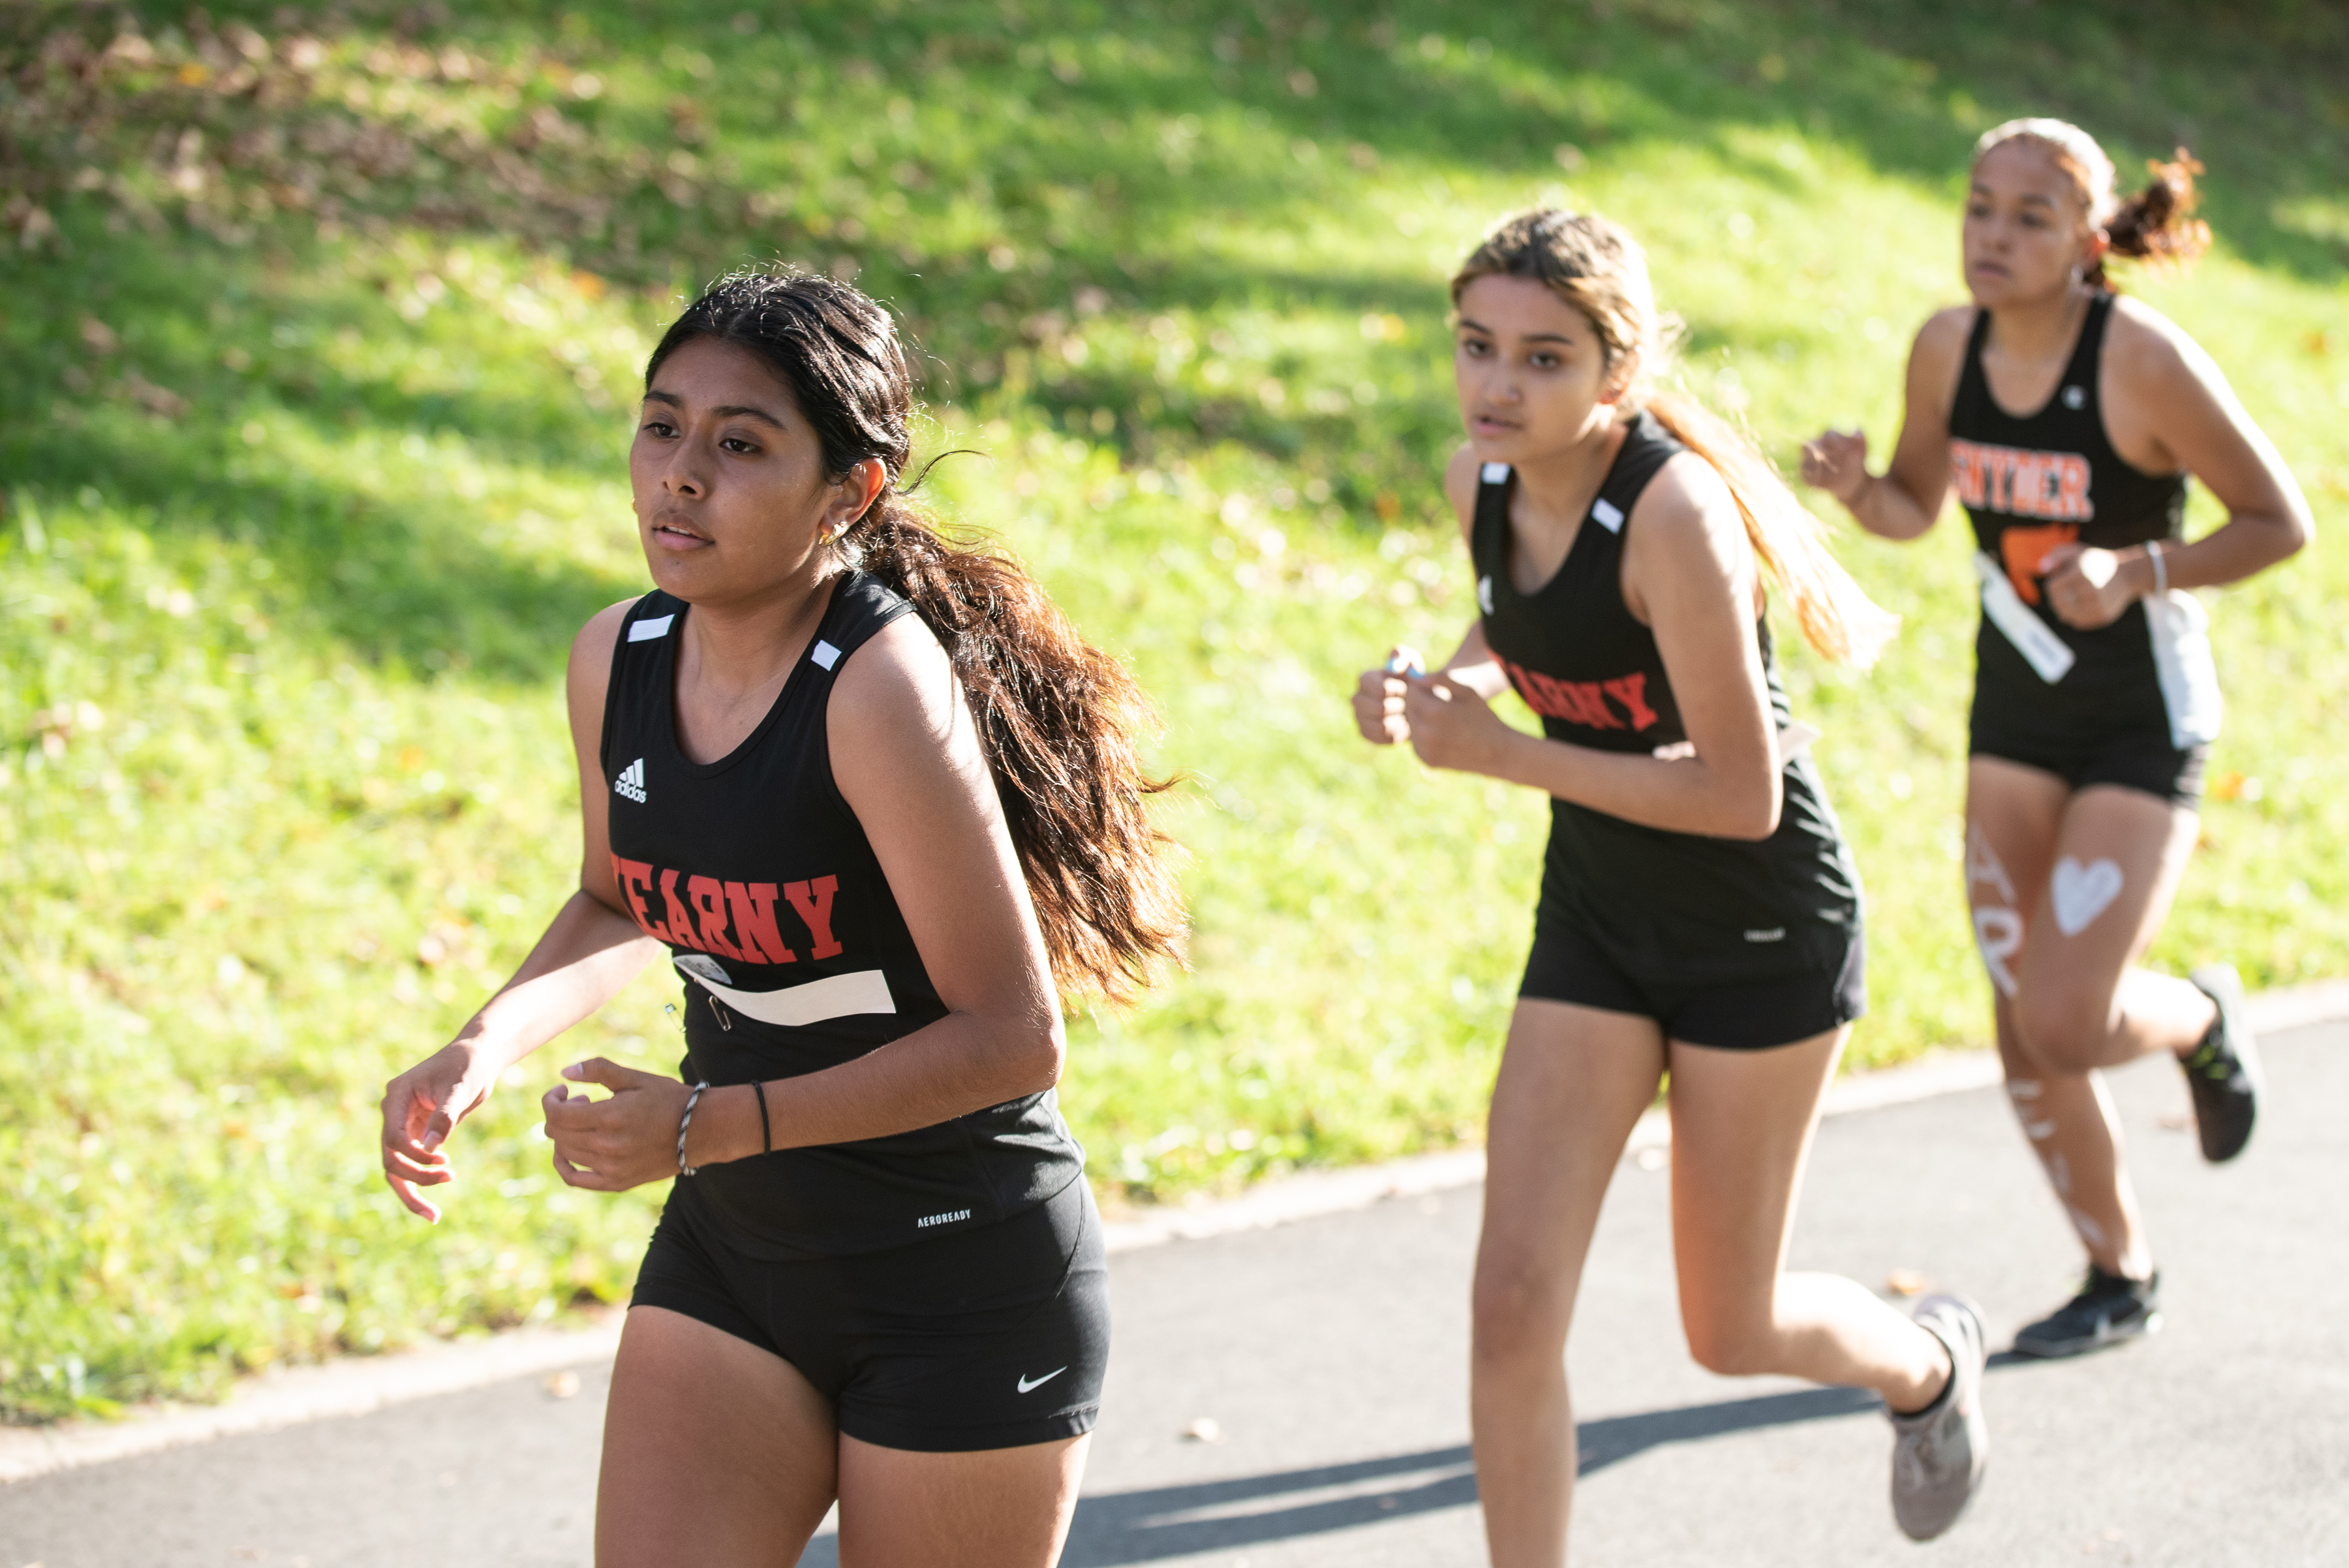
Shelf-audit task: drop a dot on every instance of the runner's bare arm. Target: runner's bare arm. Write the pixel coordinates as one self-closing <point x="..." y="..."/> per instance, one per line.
<point x="589" y="952"/>
<point x="1689" y="574"/>
<point x="1907" y="498"/>
<point x="2169" y="408"/>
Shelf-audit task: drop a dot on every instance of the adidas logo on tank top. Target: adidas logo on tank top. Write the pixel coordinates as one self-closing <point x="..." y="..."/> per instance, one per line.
<point x="630" y="784"/>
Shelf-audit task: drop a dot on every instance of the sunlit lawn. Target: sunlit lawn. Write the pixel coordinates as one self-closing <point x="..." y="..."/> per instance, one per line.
<point x="312" y="452"/>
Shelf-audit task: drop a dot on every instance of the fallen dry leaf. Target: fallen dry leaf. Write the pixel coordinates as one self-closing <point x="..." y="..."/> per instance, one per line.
<point x="155" y="400"/>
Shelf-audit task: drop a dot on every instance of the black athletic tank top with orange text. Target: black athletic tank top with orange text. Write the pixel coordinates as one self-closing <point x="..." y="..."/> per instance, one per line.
<point x="795" y="957"/>
<point x="2032" y="482"/>
<point x="1682" y="905"/>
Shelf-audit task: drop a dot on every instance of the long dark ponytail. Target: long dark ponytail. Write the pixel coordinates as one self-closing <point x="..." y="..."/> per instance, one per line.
<point x="1059" y="720"/>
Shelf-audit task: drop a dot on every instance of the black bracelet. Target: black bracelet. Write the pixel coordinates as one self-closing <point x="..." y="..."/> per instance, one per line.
<point x="766" y="1136"/>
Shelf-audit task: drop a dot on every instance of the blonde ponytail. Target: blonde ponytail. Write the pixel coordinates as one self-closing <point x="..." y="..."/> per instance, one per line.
<point x="1837" y="615"/>
<point x="1597" y="267"/>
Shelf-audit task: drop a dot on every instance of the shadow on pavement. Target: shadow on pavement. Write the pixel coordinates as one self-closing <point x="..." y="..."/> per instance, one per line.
<point x="1153" y="1525"/>
<point x="1621" y="1438"/>
<point x="1175" y="1522"/>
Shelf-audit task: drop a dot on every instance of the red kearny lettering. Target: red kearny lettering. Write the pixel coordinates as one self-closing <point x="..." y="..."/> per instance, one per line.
<point x="754" y="917"/>
<point x="709" y="896"/>
<point x="1584" y="702"/>
<point x="731" y="920"/>
<point x="636" y="879"/>
<point x="813" y="902"/>
<point x="680" y="924"/>
<point x="2019" y="482"/>
<point x="1631" y="690"/>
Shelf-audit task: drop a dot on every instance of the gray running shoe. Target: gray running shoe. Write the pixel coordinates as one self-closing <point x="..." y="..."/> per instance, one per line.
<point x="1938" y="1453"/>
<point x="2223" y="1070"/>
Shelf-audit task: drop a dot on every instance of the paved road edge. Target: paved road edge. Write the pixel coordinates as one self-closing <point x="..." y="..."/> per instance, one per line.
<point x="358" y="1384"/>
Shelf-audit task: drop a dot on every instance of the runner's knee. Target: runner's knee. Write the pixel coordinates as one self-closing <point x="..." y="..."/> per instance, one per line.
<point x="1731" y="1344"/>
<point x="2065" y="1024"/>
<point x="1517" y="1311"/>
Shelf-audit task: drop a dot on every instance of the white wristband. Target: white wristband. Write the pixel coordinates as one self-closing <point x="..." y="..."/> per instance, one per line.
<point x="2160" y="568"/>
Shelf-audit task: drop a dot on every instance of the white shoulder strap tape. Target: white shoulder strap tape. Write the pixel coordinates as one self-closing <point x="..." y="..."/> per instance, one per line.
<point x="2041" y="648"/>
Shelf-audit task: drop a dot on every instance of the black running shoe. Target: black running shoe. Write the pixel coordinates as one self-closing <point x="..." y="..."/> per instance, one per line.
<point x="2223" y="1071"/>
<point x="2109" y="1309"/>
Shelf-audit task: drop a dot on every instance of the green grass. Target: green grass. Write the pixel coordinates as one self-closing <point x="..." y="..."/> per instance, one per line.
<point x="312" y="436"/>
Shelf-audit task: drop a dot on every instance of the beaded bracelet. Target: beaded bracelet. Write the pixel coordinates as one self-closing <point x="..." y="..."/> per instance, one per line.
<point x="684" y="1122"/>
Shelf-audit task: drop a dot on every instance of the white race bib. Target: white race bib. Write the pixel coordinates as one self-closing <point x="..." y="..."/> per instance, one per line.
<point x="2045" y="651"/>
<point x="2180" y="629"/>
<point x="813" y="1002"/>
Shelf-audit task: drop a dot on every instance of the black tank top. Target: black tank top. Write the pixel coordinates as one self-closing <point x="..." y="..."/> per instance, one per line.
<point x="755" y="872"/>
<point x="2030" y="484"/>
<point x="1681" y="904"/>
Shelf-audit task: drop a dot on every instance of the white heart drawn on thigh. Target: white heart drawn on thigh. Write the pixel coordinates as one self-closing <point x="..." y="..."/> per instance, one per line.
<point x="2081" y="893"/>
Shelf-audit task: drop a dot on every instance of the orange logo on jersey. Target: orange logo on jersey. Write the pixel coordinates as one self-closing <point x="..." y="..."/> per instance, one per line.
<point x="2025" y="550"/>
<point x="2050" y="484"/>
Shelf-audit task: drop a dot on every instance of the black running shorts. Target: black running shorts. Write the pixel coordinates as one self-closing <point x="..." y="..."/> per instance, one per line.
<point x="993" y="1338"/>
<point x="2145" y="761"/>
<point x="1736" y="1015"/>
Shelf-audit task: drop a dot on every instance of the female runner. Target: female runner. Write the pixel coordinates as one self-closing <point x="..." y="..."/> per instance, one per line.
<point x="1700" y="915"/>
<point x="2095" y="701"/>
<point x="875" y="798"/>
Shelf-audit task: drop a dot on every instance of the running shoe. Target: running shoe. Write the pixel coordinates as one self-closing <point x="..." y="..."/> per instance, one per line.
<point x="1938" y="1453"/>
<point x="2110" y="1308"/>
<point x="2223" y="1071"/>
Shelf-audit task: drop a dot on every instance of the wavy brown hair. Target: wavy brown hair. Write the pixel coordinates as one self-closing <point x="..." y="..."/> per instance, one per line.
<point x="1059" y="720"/>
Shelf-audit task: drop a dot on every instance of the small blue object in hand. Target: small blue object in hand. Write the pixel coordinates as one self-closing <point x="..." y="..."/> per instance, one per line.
<point x="1400" y="663"/>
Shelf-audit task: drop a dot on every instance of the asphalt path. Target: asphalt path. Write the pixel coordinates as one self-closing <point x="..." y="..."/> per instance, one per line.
<point x="1329" y="1357"/>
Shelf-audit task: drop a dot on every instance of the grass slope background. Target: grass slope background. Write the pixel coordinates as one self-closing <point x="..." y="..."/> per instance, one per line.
<point x="319" y="328"/>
